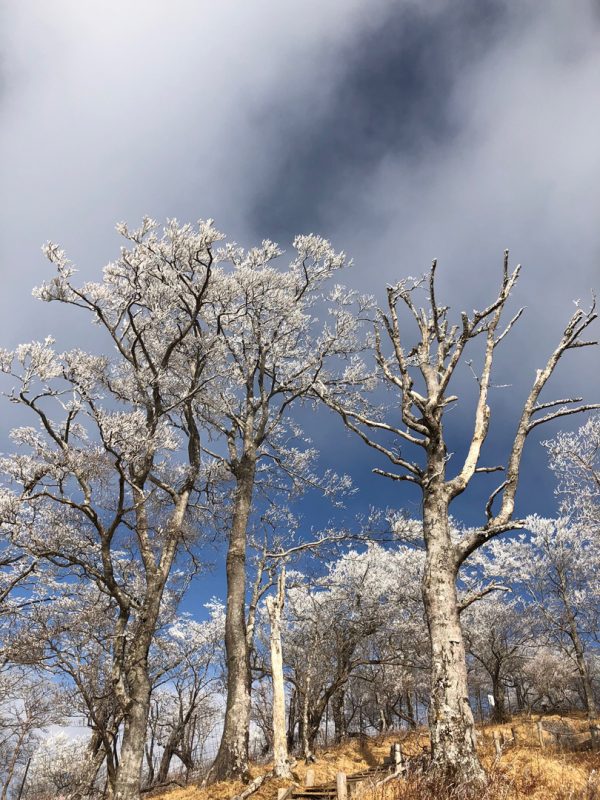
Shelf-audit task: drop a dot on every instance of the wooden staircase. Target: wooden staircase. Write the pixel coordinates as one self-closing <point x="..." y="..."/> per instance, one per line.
<point x="344" y="785"/>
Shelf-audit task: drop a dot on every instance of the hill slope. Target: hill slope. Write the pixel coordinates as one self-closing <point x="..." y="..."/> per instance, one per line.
<point x="524" y="769"/>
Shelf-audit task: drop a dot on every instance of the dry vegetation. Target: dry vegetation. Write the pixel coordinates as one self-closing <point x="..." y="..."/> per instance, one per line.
<point x="523" y="771"/>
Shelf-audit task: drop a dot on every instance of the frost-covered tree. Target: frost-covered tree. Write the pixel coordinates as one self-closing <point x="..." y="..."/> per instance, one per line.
<point x="17" y="574"/>
<point x="556" y="567"/>
<point x="60" y="767"/>
<point x="274" y="349"/>
<point x="107" y="482"/>
<point x="69" y="636"/>
<point x="422" y="370"/>
<point x="27" y="706"/>
<point x="575" y="460"/>
<point x="12" y="575"/>
<point x="548" y="681"/>
<point x="331" y="628"/>
<point x="498" y="633"/>
<point x="183" y="691"/>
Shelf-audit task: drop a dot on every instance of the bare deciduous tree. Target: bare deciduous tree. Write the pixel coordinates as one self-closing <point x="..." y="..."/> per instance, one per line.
<point x="275" y="603"/>
<point x="420" y="372"/>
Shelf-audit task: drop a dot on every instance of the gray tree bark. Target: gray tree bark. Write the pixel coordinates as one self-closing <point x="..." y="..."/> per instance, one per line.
<point x="337" y="712"/>
<point x="499" y="712"/>
<point x="451" y="723"/>
<point x="131" y="678"/>
<point x="127" y="782"/>
<point x="281" y="763"/>
<point x="582" y="667"/>
<point x="232" y="757"/>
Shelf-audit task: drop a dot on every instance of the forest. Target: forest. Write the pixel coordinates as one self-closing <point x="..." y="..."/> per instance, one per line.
<point x="176" y="451"/>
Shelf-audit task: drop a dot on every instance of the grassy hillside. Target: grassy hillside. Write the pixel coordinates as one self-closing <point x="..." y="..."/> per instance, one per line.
<point x="524" y="769"/>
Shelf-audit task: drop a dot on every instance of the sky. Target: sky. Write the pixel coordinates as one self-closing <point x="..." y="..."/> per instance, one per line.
<point x="403" y="131"/>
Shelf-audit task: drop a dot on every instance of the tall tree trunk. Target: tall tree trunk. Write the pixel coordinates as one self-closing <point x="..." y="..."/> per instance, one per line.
<point x="165" y="760"/>
<point x="451" y="723"/>
<point x="281" y="764"/>
<point x="291" y="729"/>
<point x="304" y="734"/>
<point x="480" y="706"/>
<point x="127" y="780"/>
<point x="96" y="755"/>
<point x="410" y="712"/>
<point x="233" y="756"/>
<point x="337" y="712"/>
<point x="499" y="712"/>
<point x="307" y="734"/>
<point x="582" y="668"/>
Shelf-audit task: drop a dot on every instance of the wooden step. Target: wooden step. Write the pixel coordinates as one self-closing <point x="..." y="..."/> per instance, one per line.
<point x="330" y="790"/>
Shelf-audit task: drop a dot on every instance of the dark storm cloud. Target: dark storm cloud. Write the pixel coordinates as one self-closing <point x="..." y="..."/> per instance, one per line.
<point x="456" y="132"/>
<point x="394" y="97"/>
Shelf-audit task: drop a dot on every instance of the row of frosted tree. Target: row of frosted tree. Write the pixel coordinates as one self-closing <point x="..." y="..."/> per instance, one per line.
<point x="184" y="426"/>
<point x="354" y="660"/>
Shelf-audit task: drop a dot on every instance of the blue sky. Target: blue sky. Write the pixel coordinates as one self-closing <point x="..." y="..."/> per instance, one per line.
<point x="402" y="130"/>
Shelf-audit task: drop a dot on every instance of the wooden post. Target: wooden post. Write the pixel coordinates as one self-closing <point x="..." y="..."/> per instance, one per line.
<point x="513" y="730"/>
<point x="309" y="778"/>
<point x="497" y="744"/>
<point x="540" y="733"/>
<point x="594" y="731"/>
<point x="341" y="786"/>
<point x="396" y="757"/>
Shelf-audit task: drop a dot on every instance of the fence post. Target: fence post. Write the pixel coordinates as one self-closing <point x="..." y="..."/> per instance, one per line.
<point x="309" y="778"/>
<point x="497" y="744"/>
<point x="594" y="730"/>
<point x="540" y="733"/>
<point x="396" y="755"/>
<point x="514" y="735"/>
<point x="341" y="786"/>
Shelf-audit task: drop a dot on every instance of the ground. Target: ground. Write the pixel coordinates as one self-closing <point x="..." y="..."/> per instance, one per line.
<point x="524" y="769"/>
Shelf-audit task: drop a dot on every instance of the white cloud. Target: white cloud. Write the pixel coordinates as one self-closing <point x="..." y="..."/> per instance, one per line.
<point x="116" y="109"/>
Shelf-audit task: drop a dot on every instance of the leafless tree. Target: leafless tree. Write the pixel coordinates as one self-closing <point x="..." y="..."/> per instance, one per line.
<point x="420" y="372"/>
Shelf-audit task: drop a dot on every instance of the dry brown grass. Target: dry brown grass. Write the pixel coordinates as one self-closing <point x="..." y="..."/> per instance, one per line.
<point x="524" y="771"/>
